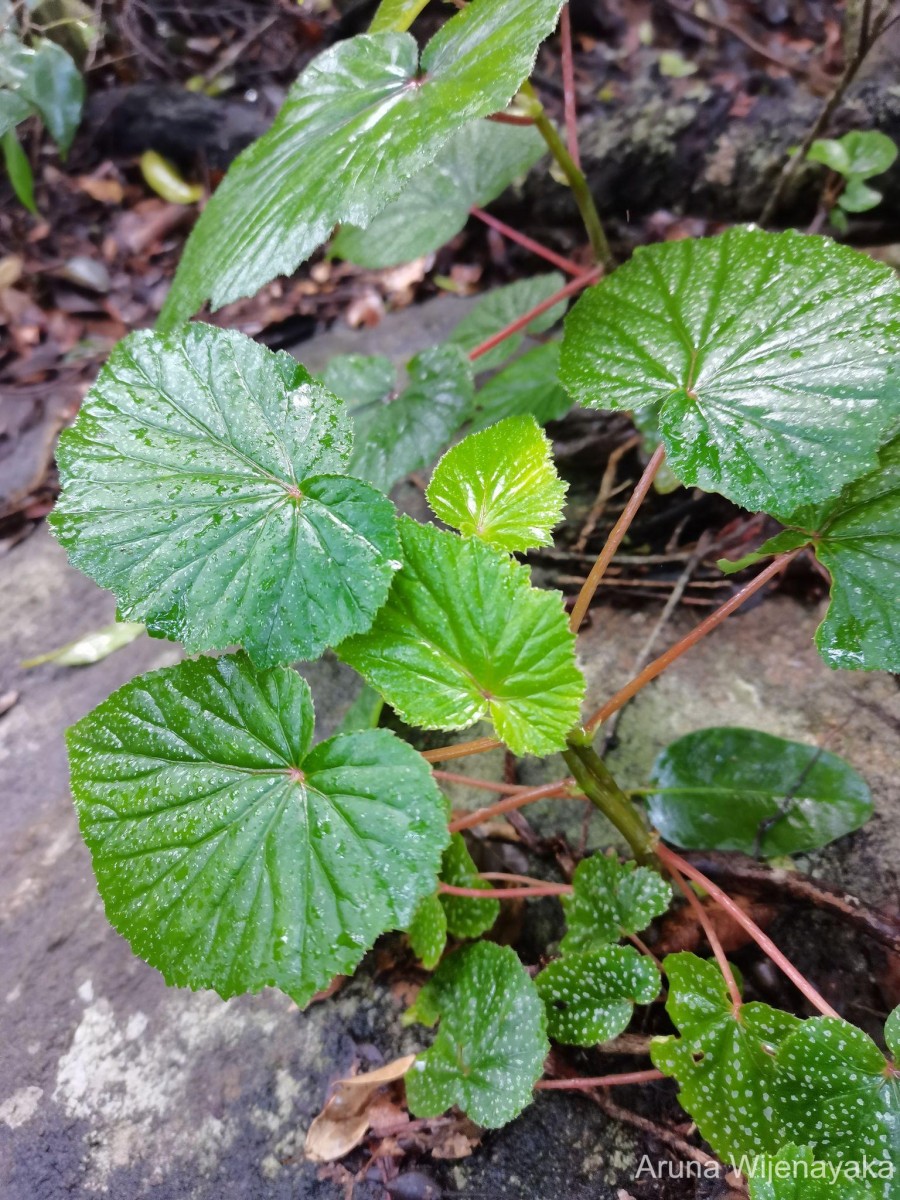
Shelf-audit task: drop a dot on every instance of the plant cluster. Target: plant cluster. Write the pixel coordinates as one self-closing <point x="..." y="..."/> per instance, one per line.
<point x="228" y="498"/>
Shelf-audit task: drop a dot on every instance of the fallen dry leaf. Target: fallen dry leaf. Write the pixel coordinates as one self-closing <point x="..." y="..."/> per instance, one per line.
<point x="344" y="1121"/>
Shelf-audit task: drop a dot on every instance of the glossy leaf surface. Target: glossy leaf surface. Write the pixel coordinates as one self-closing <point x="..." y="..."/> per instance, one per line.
<point x="590" y="997"/>
<point x="428" y="931"/>
<point x="45" y="78"/>
<point x="231" y="854"/>
<point x="611" y="900"/>
<point x="491" y="1042"/>
<point x="771" y="360"/>
<point x="203" y="483"/>
<point x="501" y="486"/>
<point x="463" y="635"/>
<point x="739" y="789"/>
<point x="364" y="116"/>
<point x="796" y="1174"/>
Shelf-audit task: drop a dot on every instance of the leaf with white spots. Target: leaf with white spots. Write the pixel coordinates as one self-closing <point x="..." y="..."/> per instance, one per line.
<point x="590" y="997"/>
<point x="795" y="1173"/>
<point x="491" y="1042"/>
<point x="723" y="1061"/>
<point x="500" y="485"/>
<point x="466" y="917"/>
<point x="204" y="482"/>
<point x="230" y="852"/>
<point x="428" y="931"/>
<point x="892" y="1034"/>
<point x="611" y="900"/>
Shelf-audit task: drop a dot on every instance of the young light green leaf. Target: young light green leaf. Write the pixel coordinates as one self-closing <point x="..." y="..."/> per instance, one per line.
<point x="466" y="917"/>
<point x="892" y="1034"/>
<point x="18" y="168"/>
<point x="364" y="117"/>
<point x="528" y="386"/>
<point x="723" y="1061"/>
<point x="499" y="308"/>
<point x="611" y="900"/>
<point x="428" y="931"/>
<point x="858" y="197"/>
<point x="396" y="15"/>
<point x="203" y="483"/>
<point x="491" y="1043"/>
<point x="91" y="647"/>
<point x="771" y="360"/>
<point x="230" y="854"/>
<point x="463" y="635"/>
<point x="739" y="789"/>
<point x="500" y="485"/>
<point x="794" y="1173"/>
<point x="857" y="537"/>
<point x="590" y="997"/>
<point x="473" y="168"/>
<point x="862" y="153"/>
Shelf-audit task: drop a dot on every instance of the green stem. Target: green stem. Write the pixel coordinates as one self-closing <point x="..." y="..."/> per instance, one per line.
<point x="594" y="779"/>
<point x="574" y="176"/>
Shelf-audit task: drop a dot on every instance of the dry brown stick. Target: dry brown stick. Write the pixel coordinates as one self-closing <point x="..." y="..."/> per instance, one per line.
<point x="604" y="492"/>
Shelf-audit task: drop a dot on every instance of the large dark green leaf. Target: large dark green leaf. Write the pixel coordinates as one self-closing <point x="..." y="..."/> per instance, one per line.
<point x="396" y="434"/>
<point x="45" y="78"/>
<point x="491" y="1043"/>
<point x="772" y="360"/>
<point x="203" y="483"/>
<point x="231" y="854"/>
<point x="739" y="789"/>
<point x="794" y="1173"/>
<point x="464" y="635"/>
<point x="13" y="109"/>
<point x="364" y="116"/>
<point x="473" y="168"/>
<point x="499" y="308"/>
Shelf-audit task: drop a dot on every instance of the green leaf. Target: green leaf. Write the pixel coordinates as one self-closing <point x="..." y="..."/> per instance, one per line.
<point x="394" y="435"/>
<point x="364" y="712"/>
<point x="491" y="1043"/>
<point x="364" y="117"/>
<point x="472" y="169"/>
<point x="500" y="485"/>
<point x="499" y="308"/>
<point x="19" y="170"/>
<point x="46" y="78"/>
<point x="230" y="854"/>
<point x="794" y="1173"/>
<point x="892" y="1034"/>
<point x="13" y="109"/>
<point x="590" y="997"/>
<point x="396" y="15"/>
<point x="858" y="197"/>
<point x="836" y="1093"/>
<point x="428" y="931"/>
<point x="861" y="153"/>
<point x="463" y="635"/>
<point x="611" y="900"/>
<point x="466" y="917"/>
<point x="723" y="1063"/>
<point x="91" y="647"/>
<point x="203" y="483"/>
<point x="739" y="789"/>
<point x="771" y="360"/>
<point x="857" y="537"/>
<point x="528" y="386"/>
<point x="831" y="153"/>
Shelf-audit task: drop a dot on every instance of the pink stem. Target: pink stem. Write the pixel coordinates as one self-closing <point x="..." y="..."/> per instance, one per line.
<point x="712" y="938"/>
<point x="568" y="74"/>
<point x="596" y="1081"/>
<point x="510" y="804"/>
<point x="487" y="785"/>
<point x="576" y="285"/>
<point x="564" y="264"/>
<point x="544" y="889"/>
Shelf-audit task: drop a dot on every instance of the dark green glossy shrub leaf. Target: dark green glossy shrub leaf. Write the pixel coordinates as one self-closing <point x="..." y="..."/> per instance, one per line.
<point x="466" y="917"/>
<point x="13" y="109"/>
<point x="428" y="931"/>
<point x="771" y="360"/>
<point x="739" y="789"/>
<point x="590" y="997"/>
<point x="231" y="854"/>
<point x="364" y="116"/>
<point x="203" y="483"/>
<point x="499" y="308"/>
<point x="44" y="78"/>
<point x="724" y="1063"/>
<point x="500" y="485"/>
<point x="611" y="900"/>
<point x="857" y="537"/>
<point x="396" y="434"/>
<point x="464" y="635"/>
<point x="796" y="1174"/>
<point x="528" y="386"/>
<point x="491" y="1042"/>
<point x="18" y="168"/>
<point x="473" y="168"/>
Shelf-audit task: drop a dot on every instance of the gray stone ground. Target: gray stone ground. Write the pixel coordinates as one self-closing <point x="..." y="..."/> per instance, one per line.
<point x="112" y="1084"/>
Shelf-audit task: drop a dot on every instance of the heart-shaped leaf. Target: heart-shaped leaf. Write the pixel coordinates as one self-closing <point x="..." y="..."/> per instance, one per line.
<point x="590" y="997"/>
<point x="500" y="485"/>
<point x="230" y="854"/>
<point x="724" y="1061"/>
<point x="203" y="483"/>
<point x="739" y="789"/>
<point x="428" y="931"/>
<point x="528" y="386"/>
<point x="464" y="635"/>
<point x="364" y="117"/>
<point x="771" y="360"/>
<point x="473" y="168"/>
<point x="466" y="916"/>
<point x="611" y="900"/>
<point x="491" y="1043"/>
<point x="499" y="308"/>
